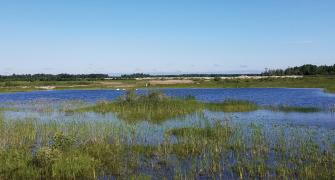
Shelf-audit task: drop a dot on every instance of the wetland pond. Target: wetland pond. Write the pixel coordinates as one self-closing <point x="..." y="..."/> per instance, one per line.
<point x="264" y="142"/>
<point x="35" y="104"/>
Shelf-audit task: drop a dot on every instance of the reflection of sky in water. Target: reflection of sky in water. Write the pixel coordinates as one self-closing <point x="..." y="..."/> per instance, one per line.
<point x="149" y="133"/>
<point x="324" y="119"/>
<point x="262" y="96"/>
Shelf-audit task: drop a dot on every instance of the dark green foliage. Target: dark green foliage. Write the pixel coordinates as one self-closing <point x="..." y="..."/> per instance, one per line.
<point x="51" y="77"/>
<point x="135" y="75"/>
<point x="307" y="69"/>
<point x="217" y="78"/>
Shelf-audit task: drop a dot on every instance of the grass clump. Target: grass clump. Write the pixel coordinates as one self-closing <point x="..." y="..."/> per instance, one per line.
<point x="294" y="109"/>
<point x="194" y="141"/>
<point x="154" y="107"/>
<point x="62" y="150"/>
<point x="232" y="106"/>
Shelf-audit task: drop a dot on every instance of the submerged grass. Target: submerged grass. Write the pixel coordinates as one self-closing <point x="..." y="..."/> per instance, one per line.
<point x="232" y="106"/>
<point x="294" y="109"/>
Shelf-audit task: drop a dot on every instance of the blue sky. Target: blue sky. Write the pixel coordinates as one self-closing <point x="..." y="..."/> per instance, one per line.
<point x="164" y="36"/>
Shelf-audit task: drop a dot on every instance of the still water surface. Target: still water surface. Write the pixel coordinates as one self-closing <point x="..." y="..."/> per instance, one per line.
<point x="262" y="96"/>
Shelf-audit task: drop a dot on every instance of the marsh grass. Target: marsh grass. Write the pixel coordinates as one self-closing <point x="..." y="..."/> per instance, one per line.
<point x="30" y="149"/>
<point x="293" y="109"/>
<point x="257" y="154"/>
<point x="61" y="150"/>
<point x="7" y="109"/>
<point x="157" y="107"/>
<point x="232" y="106"/>
<point x="154" y="107"/>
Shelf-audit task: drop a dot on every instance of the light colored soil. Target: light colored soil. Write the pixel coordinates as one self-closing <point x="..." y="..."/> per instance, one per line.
<point x="118" y="84"/>
<point x="109" y="83"/>
<point x="158" y="82"/>
<point x="46" y="87"/>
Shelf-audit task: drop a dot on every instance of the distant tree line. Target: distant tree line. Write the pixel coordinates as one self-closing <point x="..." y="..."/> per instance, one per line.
<point x="135" y="75"/>
<point x="307" y="69"/>
<point x="51" y="77"/>
<point x="79" y="77"/>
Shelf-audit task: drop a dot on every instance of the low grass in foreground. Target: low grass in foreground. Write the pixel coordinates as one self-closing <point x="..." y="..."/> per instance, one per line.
<point x="99" y="150"/>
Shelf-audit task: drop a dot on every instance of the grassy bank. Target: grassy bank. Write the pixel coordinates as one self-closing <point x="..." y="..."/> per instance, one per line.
<point x="330" y="89"/>
<point x="326" y="82"/>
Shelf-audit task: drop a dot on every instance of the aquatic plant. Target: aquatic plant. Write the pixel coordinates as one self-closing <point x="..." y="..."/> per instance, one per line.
<point x="154" y="107"/>
<point x="157" y="107"/>
<point x="92" y="150"/>
<point x="283" y="108"/>
<point x="210" y="148"/>
<point x="232" y="106"/>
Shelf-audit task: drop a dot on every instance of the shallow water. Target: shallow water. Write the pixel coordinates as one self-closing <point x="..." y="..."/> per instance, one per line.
<point x="48" y="106"/>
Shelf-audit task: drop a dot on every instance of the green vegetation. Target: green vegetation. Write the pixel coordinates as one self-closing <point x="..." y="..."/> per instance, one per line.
<point x="51" y="77"/>
<point x="307" y="69"/>
<point x="255" y="154"/>
<point x="154" y="107"/>
<point x="157" y="107"/>
<point x="66" y="150"/>
<point x="232" y="106"/>
<point x="7" y="109"/>
<point x="293" y="109"/>
<point x="326" y="82"/>
<point x="331" y="89"/>
<point x="92" y="150"/>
